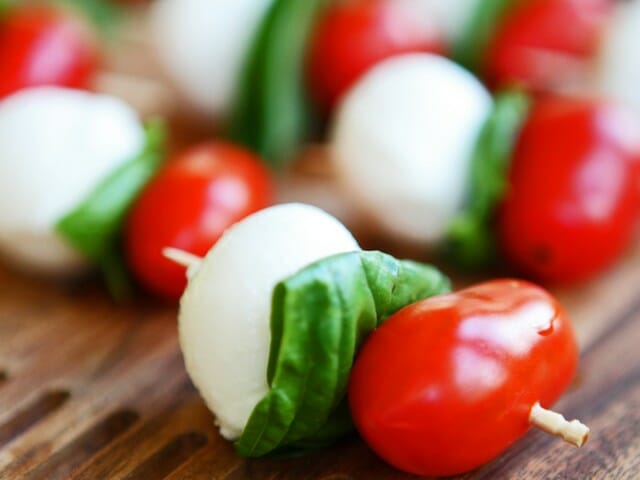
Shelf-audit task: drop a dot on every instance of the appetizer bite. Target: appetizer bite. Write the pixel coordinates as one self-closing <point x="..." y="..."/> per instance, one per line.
<point x="572" y="200"/>
<point x="71" y="163"/>
<point x="403" y="141"/>
<point x="450" y="382"/>
<point x="553" y="178"/>
<point x="188" y="205"/>
<point x="271" y="320"/>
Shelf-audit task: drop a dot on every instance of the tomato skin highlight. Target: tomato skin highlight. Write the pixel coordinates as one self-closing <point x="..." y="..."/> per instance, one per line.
<point x="542" y="44"/>
<point x="573" y="203"/>
<point x="44" y="45"/>
<point x="447" y="384"/>
<point x="353" y="36"/>
<point x="188" y="205"/>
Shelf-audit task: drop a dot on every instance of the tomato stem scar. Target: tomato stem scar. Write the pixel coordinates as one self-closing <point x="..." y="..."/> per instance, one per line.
<point x="573" y="432"/>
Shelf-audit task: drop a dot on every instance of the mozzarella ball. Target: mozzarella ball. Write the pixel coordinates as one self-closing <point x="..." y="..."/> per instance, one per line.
<point x="56" y="146"/>
<point x="619" y="66"/>
<point x="403" y="141"/>
<point x="225" y="311"/>
<point x="203" y="45"/>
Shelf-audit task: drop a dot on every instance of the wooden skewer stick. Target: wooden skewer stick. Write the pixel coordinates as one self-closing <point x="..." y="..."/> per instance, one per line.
<point x="574" y="432"/>
<point x="181" y="257"/>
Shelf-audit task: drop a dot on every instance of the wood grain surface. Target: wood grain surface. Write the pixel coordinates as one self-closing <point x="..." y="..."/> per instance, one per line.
<point x="93" y="390"/>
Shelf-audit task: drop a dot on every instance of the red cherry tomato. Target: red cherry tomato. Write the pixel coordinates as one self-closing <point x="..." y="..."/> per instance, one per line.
<point x="573" y="200"/>
<point x="354" y="35"/>
<point x="188" y="205"/>
<point x="448" y="383"/>
<point x="543" y="44"/>
<point x="42" y="45"/>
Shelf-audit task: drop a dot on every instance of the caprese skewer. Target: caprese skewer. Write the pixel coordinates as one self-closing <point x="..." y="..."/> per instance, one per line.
<point x="294" y="298"/>
<point x="425" y="150"/>
<point x="71" y="163"/>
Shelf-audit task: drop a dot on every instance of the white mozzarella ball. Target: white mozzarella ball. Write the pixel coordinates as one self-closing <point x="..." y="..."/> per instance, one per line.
<point x="403" y="141"/>
<point x="619" y="68"/>
<point x="452" y="16"/>
<point x="56" y="146"/>
<point x="225" y="311"/>
<point x="203" y="45"/>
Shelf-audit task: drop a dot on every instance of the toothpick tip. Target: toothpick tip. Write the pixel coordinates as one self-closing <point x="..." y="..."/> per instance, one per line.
<point x="573" y="432"/>
<point x="181" y="257"/>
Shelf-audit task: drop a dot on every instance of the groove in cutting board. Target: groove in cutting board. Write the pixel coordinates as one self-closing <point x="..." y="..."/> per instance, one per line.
<point x="84" y="447"/>
<point x="169" y="457"/>
<point x="32" y="414"/>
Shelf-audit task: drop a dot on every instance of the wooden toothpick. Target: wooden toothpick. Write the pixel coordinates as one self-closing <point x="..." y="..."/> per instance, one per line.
<point x="573" y="432"/>
<point x="186" y="259"/>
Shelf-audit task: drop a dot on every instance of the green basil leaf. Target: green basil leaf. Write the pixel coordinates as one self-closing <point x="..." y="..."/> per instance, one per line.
<point x="319" y="318"/>
<point x="339" y="425"/>
<point x="272" y="113"/>
<point x="94" y="226"/>
<point x="470" y="50"/>
<point x="470" y="242"/>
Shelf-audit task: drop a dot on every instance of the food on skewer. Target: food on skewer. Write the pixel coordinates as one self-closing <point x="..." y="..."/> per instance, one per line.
<point x="403" y="141"/>
<point x="554" y="178"/>
<point x="188" y="205"/>
<point x="70" y="164"/>
<point x="450" y="382"/>
<point x="572" y="202"/>
<point x="274" y="361"/>
<point x="300" y="269"/>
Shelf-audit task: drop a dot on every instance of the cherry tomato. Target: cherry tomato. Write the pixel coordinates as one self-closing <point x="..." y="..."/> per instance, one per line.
<point x="448" y="383"/>
<point x="188" y="206"/>
<point x="543" y="44"/>
<point x="573" y="204"/>
<point x="354" y="35"/>
<point x="43" y="45"/>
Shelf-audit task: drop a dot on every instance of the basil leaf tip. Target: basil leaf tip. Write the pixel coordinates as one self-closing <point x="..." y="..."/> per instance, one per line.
<point x="470" y="241"/>
<point x="94" y="226"/>
<point x="319" y="318"/>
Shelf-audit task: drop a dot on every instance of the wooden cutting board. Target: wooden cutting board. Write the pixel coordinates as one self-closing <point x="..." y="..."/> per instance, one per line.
<point x="92" y="390"/>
